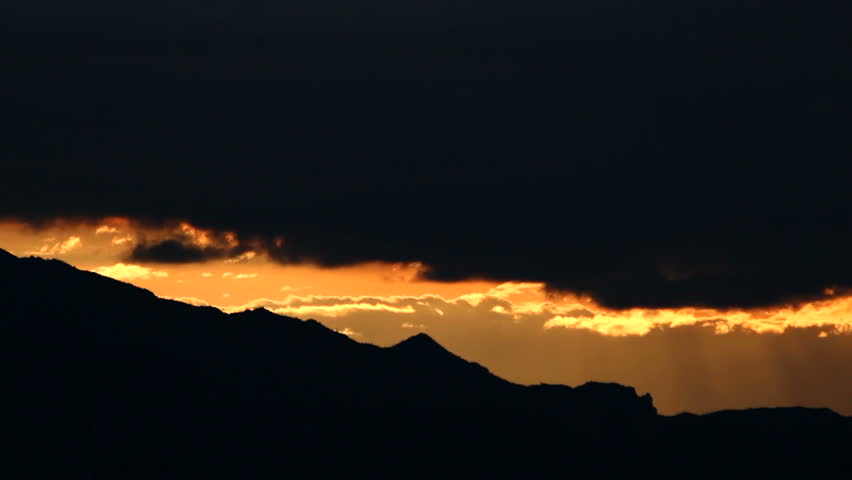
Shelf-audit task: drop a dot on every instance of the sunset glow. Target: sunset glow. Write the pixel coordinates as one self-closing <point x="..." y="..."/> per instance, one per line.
<point x="426" y="239"/>
<point x="252" y="280"/>
<point x="521" y="330"/>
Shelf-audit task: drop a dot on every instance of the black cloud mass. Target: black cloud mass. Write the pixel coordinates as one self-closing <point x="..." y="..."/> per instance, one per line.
<point x="653" y="153"/>
<point x="174" y="251"/>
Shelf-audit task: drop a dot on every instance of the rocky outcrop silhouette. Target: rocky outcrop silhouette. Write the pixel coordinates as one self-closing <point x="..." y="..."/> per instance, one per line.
<point x="103" y="379"/>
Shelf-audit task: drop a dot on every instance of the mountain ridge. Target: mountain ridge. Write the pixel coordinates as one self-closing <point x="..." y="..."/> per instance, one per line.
<point x="106" y="380"/>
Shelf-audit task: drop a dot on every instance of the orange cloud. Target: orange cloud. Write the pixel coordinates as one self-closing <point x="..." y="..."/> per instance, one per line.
<point x="122" y="240"/>
<point x="125" y="272"/>
<point x="58" y="248"/>
<point x="243" y="276"/>
<point x="323" y="306"/>
<point x="243" y="257"/>
<point x="833" y="313"/>
<point x="526" y="302"/>
<point x="105" y="229"/>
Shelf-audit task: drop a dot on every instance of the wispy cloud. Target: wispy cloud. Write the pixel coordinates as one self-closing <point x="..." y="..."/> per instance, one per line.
<point x="58" y="248"/>
<point x="105" y="229"/>
<point x="122" y="271"/>
<point x="244" y="276"/>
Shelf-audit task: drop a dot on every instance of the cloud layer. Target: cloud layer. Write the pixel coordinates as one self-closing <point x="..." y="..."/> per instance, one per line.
<point x="645" y="155"/>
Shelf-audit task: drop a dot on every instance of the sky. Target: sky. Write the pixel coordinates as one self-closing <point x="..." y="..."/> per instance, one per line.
<point x="693" y="359"/>
<point x="654" y="193"/>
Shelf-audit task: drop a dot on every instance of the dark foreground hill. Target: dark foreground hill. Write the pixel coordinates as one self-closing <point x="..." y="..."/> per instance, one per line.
<point x="101" y="379"/>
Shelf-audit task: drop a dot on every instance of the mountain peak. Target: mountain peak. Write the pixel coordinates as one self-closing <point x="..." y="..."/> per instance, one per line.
<point x="420" y="341"/>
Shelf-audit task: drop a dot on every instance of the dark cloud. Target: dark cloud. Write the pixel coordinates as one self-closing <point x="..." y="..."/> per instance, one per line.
<point x="387" y="13"/>
<point x="188" y="246"/>
<point x="646" y="154"/>
<point x="173" y="251"/>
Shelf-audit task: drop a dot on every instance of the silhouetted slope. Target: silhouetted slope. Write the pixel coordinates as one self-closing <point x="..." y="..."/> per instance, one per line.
<point x="425" y="357"/>
<point x="104" y="380"/>
<point x="6" y="257"/>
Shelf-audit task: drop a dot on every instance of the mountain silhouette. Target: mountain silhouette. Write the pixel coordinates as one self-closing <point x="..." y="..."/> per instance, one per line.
<point x="102" y="379"/>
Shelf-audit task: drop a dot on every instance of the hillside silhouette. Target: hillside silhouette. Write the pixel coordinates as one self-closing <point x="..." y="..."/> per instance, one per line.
<point x="103" y="379"/>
